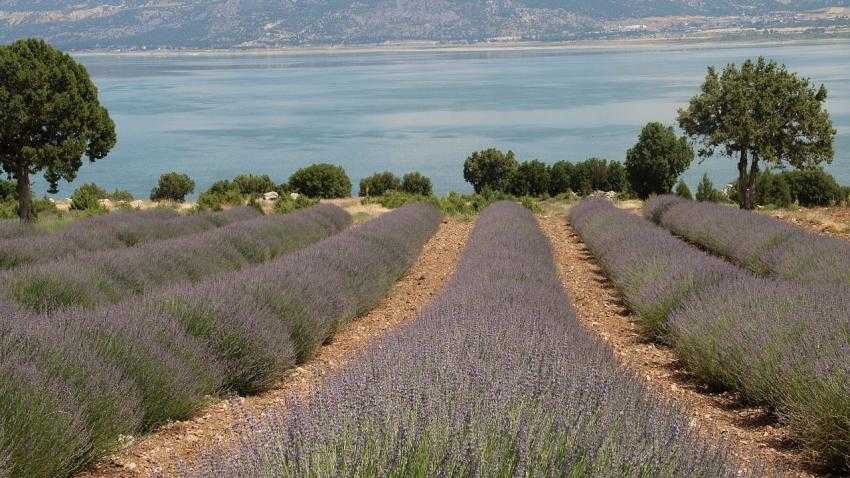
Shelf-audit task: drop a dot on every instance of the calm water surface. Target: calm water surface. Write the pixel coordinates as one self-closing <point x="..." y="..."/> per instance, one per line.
<point x="217" y="116"/>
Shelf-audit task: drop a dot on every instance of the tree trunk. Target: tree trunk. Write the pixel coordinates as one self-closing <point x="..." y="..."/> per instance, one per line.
<point x="25" y="212"/>
<point x="743" y="182"/>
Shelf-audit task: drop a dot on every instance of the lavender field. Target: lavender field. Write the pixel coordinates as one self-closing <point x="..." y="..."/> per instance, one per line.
<point x="495" y="378"/>
<point x="781" y="343"/>
<point x="74" y="381"/>
<point x="142" y="319"/>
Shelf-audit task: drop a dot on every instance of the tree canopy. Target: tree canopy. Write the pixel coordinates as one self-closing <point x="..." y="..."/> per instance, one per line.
<point x="654" y="164"/>
<point x="50" y="117"/>
<point x="489" y="169"/>
<point x="760" y="113"/>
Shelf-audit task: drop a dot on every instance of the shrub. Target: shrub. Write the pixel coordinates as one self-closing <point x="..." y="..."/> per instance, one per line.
<point x="86" y="197"/>
<point x="593" y="174"/>
<point x="173" y="186"/>
<point x="321" y="181"/>
<point x="706" y="192"/>
<point x="813" y="187"/>
<point x="221" y="194"/>
<point x="657" y="160"/>
<point x="416" y="183"/>
<point x="780" y="345"/>
<point x="252" y="185"/>
<point x="379" y="184"/>
<point x="120" y="195"/>
<point x="683" y="191"/>
<point x="489" y="169"/>
<point x="495" y="378"/>
<point x="773" y="190"/>
<point x="286" y="204"/>
<point x="530" y="178"/>
<point x="8" y="190"/>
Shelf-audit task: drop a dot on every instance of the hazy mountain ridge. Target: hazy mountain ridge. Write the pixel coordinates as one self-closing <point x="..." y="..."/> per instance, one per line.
<point x="233" y="23"/>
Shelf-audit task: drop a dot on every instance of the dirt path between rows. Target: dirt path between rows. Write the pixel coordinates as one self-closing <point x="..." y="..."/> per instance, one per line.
<point x="162" y="453"/>
<point x="753" y="436"/>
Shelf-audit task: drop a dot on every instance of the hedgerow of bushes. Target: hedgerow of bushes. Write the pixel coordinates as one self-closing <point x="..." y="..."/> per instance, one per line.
<point x="76" y="381"/>
<point x="495" y="378"/>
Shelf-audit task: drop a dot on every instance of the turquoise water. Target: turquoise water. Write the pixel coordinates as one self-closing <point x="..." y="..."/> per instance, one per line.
<point x="217" y="116"/>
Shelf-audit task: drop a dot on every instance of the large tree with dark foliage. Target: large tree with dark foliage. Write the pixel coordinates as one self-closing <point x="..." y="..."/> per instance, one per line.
<point x="760" y="113"/>
<point x="50" y="118"/>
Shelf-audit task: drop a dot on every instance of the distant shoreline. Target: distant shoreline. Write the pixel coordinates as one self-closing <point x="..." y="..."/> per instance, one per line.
<point x="438" y="47"/>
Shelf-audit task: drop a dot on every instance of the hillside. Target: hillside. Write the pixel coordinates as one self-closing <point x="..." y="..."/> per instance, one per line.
<point x="85" y="24"/>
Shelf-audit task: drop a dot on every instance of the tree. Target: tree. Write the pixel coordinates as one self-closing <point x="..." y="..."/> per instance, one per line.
<point x="173" y="186"/>
<point x="561" y="176"/>
<point x="322" y="180"/>
<point x="416" y="183"/>
<point x="50" y="118"/>
<point x="531" y="178"/>
<point x="654" y="164"/>
<point x="489" y="169"/>
<point x="617" y="179"/>
<point x="683" y="191"/>
<point x="378" y="184"/>
<point x="758" y="113"/>
<point x="706" y="192"/>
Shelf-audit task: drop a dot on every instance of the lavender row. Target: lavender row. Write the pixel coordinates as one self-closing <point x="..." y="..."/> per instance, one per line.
<point x="757" y="242"/>
<point x="778" y="343"/>
<point x="10" y="229"/>
<point x="94" y="279"/>
<point x="495" y="378"/>
<point x="76" y="381"/>
<point x="113" y="231"/>
<point x="655" y="271"/>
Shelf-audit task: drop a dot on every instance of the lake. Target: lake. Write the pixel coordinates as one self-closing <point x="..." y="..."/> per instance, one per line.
<point x="217" y="115"/>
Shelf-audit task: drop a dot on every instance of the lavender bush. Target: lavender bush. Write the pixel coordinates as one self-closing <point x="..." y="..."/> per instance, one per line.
<point x="113" y="231"/>
<point x="758" y="242"/>
<point x="654" y="270"/>
<point x="783" y="344"/>
<point x="495" y="378"/>
<point x="167" y="354"/>
<point x="779" y="344"/>
<point x="112" y="276"/>
<point x="10" y="229"/>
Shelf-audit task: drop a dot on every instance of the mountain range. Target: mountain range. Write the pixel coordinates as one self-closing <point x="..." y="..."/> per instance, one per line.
<point x="115" y="24"/>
